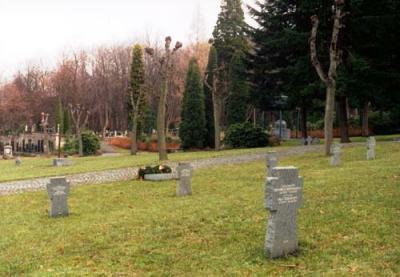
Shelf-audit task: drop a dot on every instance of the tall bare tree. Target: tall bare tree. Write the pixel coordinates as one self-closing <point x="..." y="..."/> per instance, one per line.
<point x="330" y="78"/>
<point x="80" y="117"/>
<point x="166" y="65"/>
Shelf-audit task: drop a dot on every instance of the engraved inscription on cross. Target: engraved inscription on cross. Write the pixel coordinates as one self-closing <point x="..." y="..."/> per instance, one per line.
<point x="283" y="197"/>
<point x="58" y="191"/>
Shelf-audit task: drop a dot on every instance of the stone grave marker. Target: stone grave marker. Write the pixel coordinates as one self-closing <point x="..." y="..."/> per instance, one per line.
<point x="184" y="184"/>
<point x="18" y="161"/>
<point x="272" y="161"/>
<point x="309" y="140"/>
<point x="7" y="153"/>
<point x="336" y="153"/>
<point x="58" y="191"/>
<point x="283" y="197"/>
<point x="316" y="141"/>
<point x="371" y="144"/>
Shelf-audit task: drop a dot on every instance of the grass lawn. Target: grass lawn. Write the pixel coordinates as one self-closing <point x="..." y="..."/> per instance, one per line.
<point x="42" y="167"/>
<point x="349" y="224"/>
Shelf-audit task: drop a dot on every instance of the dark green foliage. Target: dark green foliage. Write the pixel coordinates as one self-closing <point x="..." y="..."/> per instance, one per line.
<point x="60" y="116"/>
<point x="136" y="82"/>
<point x="238" y="93"/>
<point x="192" y="129"/>
<point x="159" y="169"/>
<point x="91" y="144"/>
<point x="209" y="111"/>
<point x="67" y="122"/>
<point x="245" y="135"/>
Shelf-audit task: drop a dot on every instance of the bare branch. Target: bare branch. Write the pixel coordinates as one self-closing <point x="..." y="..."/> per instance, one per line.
<point x="313" y="49"/>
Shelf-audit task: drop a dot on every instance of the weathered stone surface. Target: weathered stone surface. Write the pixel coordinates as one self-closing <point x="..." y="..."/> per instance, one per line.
<point x="272" y="161"/>
<point x="371" y="144"/>
<point x="58" y="191"/>
<point x="309" y="140"/>
<point x="184" y="184"/>
<point x="283" y="197"/>
<point x="336" y="155"/>
<point x="158" y="177"/>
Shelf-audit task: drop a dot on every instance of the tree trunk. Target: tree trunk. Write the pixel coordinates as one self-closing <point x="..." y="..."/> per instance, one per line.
<point x="162" y="144"/>
<point x="107" y="121"/>
<point x="80" y="143"/>
<point x="217" y="123"/>
<point x="365" y="125"/>
<point x="329" y="116"/>
<point x="134" y="147"/>
<point x="304" y="122"/>
<point x="343" y="120"/>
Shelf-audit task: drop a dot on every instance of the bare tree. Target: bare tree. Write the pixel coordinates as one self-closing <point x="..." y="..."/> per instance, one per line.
<point x="166" y="65"/>
<point x="80" y="117"/>
<point x="330" y="79"/>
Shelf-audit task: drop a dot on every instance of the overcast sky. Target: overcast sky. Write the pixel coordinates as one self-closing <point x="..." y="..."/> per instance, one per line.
<point x="40" y="31"/>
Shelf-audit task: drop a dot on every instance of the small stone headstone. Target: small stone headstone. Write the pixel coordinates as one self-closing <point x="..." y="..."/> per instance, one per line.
<point x="18" y="161"/>
<point x="283" y="197"/>
<point x="58" y="191"/>
<point x="316" y="141"/>
<point x="184" y="185"/>
<point x="309" y="140"/>
<point x="272" y="161"/>
<point x="336" y="153"/>
<point x="7" y="153"/>
<point x="371" y="144"/>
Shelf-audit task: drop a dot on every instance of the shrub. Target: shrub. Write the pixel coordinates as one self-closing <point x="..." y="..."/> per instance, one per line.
<point x="91" y="144"/>
<point x="245" y="135"/>
<point x="159" y="169"/>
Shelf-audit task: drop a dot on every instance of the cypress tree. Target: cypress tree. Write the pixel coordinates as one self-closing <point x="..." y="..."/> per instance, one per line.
<point x="238" y="97"/>
<point x="231" y="43"/>
<point x="60" y="116"/>
<point x="136" y="100"/>
<point x="192" y="128"/>
<point x="209" y="109"/>
<point x="66" y="122"/>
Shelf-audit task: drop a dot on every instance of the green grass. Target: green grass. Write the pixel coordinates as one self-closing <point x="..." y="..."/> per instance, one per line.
<point x="42" y="167"/>
<point x="348" y="224"/>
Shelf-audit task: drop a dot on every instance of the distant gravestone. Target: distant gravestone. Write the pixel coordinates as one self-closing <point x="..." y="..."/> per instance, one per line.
<point x="272" y="161"/>
<point x="316" y="141"/>
<point x="58" y="191"/>
<point x="336" y="153"/>
<point x="371" y="144"/>
<point x="7" y="152"/>
<point x="309" y="140"/>
<point x="283" y="197"/>
<point x="18" y="161"/>
<point x="184" y="184"/>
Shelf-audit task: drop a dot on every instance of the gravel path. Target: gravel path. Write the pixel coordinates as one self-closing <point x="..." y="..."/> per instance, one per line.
<point x="126" y="174"/>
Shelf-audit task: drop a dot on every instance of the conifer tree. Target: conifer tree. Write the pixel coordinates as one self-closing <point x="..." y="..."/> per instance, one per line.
<point x="212" y="65"/>
<point x="136" y="98"/>
<point x="60" y="124"/>
<point x="192" y="128"/>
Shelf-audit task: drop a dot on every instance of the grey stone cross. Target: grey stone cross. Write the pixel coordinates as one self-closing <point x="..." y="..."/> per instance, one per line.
<point x="336" y="152"/>
<point x="309" y="140"/>
<point x="184" y="184"/>
<point x="371" y="144"/>
<point x="272" y="161"/>
<point x="283" y="197"/>
<point x="58" y="191"/>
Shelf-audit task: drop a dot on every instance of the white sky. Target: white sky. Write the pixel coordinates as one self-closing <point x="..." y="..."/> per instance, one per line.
<point x="40" y="31"/>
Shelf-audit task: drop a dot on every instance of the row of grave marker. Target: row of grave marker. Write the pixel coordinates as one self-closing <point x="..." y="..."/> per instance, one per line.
<point x="337" y="149"/>
<point x="283" y="198"/>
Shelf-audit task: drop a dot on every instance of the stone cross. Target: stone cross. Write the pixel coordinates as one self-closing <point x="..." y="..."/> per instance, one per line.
<point x="371" y="144"/>
<point x="336" y="151"/>
<point x="58" y="190"/>
<point x="18" y="161"/>
<point x="184" y="184"/>
<point x="283" y="197"/>
<point x="309" y="140"/>
<point x="272" y="161"/>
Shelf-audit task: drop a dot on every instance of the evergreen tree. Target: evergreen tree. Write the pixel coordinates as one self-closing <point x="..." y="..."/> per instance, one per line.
<point x="208" y="94"/>
<point x="238" y="97"/>
<point x="231" y="43"/>
<point x="60" y="116"/>
<point x="66" y="122"/>
<point x="136" y="100"/>
<point x="192" y="128"/>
